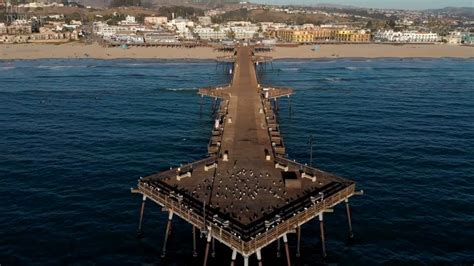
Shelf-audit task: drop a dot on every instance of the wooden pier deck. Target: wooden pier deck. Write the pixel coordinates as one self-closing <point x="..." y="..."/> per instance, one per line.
<point x="246" y="194"/>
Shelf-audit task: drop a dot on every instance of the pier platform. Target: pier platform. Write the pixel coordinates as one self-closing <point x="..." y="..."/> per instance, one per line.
<point x="246" y="194"/>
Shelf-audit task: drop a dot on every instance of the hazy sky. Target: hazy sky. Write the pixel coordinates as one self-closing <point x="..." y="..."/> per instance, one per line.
<point x="401" y="4"/>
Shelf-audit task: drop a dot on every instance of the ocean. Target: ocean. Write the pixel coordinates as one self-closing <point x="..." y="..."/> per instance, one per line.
<point x="75" y="135"/>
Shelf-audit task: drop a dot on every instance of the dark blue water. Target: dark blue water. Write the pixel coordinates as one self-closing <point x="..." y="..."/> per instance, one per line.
<point x="75" y="135"/>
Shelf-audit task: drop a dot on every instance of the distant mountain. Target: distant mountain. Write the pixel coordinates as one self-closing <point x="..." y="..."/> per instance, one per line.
<point x="456" y="11"/>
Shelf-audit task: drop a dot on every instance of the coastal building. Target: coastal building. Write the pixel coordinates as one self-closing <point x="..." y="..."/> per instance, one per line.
<point x="297" y="36"/>
<point x="13" y="39"/>
<point x="183" y="28"/>
<point x="208" y="33"/>
<point x="161" y="37"/>
<point x="245" y="32"/>
<point x="322" y="34"/>
<point x="50" y="37"/>
<point x="468" y="38"/>
<point x="104" y="30"/>
<point x="406" y="36"/>
<point x="155" y="20"/>
<point x="3" y="29"/>
<point x="19" y="29"/>
<point x="454" y="38"/>
<point x="127" y="38"/>
<point x="181" y="24"/>
<point x="129" y="21"/>
<point x="352" y="36"/>
<point x="205" y="20"/>
<point x="53" y="36"/>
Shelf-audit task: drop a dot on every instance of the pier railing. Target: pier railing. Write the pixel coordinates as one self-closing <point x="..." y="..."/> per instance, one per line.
<point x="275" y="92"/>
<point x="310" y="170"/>
<point x="182" y="168"/>
<point x="216" y="92"/>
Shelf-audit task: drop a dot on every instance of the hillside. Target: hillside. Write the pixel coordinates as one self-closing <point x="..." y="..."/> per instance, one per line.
<point x="467" y="12"/>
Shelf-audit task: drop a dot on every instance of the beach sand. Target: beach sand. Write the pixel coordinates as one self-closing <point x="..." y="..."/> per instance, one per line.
<point x="374" y="51"/>
<point x="79" y="50"/>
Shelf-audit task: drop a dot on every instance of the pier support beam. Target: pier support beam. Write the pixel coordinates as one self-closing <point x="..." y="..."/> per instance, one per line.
<point x="259" y="257"/>
<point x="142" y="211"/>
<point x="206" y="253"/>
<point x="298" y="241"/>
<point x="234" y="257"/>
<point x="167" y="233"/>
<point x="278" y="248"/>
<point x="287" y="250"/>
<point x="213" y="253"/>
<point x="246" y="260"/>
<point x="349" y="218"/>
<point x="194" y="242"/>
<point x="323" y="243"/>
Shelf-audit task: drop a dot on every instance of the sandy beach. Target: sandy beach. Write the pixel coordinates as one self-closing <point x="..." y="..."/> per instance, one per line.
<point x="79" y="50"/>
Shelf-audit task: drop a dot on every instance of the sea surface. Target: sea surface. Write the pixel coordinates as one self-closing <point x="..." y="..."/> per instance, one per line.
<point x="75" y="135"/>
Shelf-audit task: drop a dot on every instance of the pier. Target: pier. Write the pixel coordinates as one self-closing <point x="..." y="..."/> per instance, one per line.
<point x="246" y="194"/>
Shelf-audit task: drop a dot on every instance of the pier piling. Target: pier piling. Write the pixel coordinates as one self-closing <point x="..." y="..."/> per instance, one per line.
<point x="167" y="233"/>
<point x="349" y="218"/>
<point x="259" y="257"/>
<point x="213" y="253"/>
<point x="321" y="227"/>
<point x="206" y="253"/>
<point x="195" y="254"/>
<point x="142" y="210"/>
<point x="234" y="257"/>
<point x="287" y="250"/>
<point x="298" y="240"/>
<point x="246" y="260"/>
<point x="278" y="248"/>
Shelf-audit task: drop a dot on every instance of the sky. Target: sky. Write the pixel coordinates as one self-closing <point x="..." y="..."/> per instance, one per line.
<point x="399" y="4"/>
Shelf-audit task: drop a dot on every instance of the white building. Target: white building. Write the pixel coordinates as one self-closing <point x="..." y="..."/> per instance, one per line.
<point x="181" y="24"/>
<point x="454" y="37"/>
<point x="129" y="20"/>
<point x="156" y="20"/>
<point x="104" y="30"/>
<point x="406" y="37"/>
<point x="161" y="38"/>
<point x="183" y="27"/>
<point x="205" y="21"/>
<point x="3" y="29"/>
<point x="208" y="33"/>
<point x="127" y="39"/>
<point x="245" y="32"/>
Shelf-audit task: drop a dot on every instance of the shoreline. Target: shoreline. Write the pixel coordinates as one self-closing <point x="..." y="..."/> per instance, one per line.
<point x="208" y="60"/>
<point x="77" y="50"/>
